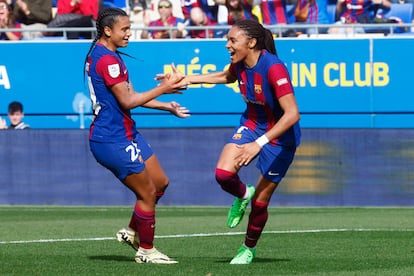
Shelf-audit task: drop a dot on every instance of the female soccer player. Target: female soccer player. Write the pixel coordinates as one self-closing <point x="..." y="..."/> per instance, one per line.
<point x="269" y="127"/>
<point x="114" y="140"/>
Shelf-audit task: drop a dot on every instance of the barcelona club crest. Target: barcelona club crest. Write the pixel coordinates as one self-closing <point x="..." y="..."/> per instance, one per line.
<point x="257" y="88"/>
<point x="237" y="136"/>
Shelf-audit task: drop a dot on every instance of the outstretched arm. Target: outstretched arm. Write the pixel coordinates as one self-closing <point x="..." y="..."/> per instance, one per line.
<point x="211" y="78"/>
<point x="129" y="99"/>
<point x="173" y="107"/>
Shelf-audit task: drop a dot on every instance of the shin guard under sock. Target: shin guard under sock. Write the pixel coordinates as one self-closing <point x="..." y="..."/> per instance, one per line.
<point x="257" y="221"/>
<point x="143" y="223"/>
<point x="230" y="183"/>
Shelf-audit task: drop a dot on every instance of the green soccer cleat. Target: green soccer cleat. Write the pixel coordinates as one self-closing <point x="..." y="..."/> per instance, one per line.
<point x="245" y="255"/>
<point x="238" y="208"/>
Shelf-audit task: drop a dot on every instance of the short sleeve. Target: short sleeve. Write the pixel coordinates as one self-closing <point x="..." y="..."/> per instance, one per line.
<point x="111" y="70"/>
<point x="280" y="80"/>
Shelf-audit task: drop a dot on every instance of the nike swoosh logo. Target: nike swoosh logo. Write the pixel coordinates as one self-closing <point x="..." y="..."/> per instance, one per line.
<point x="273" y="173"/>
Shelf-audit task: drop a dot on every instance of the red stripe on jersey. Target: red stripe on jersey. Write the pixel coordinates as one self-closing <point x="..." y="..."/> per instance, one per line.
<point x="128" y="124"/>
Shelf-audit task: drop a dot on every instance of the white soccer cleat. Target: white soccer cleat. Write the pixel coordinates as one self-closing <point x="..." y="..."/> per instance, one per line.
<point x="152" y="256"/>
<point x="127" y="236"/>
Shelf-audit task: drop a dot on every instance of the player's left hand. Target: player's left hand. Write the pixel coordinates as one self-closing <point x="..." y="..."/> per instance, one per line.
<point x="175" y="80"/>
<point x="247" y="153"/>
<point x="178" y="110"/>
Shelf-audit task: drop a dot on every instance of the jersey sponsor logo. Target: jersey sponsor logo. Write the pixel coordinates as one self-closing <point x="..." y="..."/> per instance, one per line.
<point x="253" y="102"/>
<point x="114" y="70"/>
<point x="282" y="82"/>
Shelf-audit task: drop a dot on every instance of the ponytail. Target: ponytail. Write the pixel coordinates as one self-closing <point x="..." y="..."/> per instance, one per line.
<point x="263" y="36"/>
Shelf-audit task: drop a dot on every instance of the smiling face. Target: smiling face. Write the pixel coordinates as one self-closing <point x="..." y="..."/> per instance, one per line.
<point x="118" y="36"/>
<point x="164" y="9"/>
<point x="238" y="44"/>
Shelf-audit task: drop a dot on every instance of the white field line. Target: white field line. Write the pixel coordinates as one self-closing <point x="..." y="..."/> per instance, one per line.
<point x="213" y="235"/>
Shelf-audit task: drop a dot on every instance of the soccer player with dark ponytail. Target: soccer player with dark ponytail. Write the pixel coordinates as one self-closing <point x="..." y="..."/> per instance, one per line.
<point x="269" y="127"/>
<point x="114" y="141"/>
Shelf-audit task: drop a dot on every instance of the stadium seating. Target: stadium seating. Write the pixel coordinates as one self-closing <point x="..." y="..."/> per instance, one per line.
<point x="401" y="11"/>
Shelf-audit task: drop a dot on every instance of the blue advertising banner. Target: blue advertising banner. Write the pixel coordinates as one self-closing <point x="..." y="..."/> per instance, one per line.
<point x="339" y="83"/>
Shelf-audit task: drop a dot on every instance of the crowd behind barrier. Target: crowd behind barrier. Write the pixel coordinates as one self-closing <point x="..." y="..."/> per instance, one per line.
<point x="280" y="31"/>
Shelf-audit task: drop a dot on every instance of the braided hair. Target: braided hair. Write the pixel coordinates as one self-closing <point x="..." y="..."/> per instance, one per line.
<point x="106" y="18"/>
<point x="263" y="36"/>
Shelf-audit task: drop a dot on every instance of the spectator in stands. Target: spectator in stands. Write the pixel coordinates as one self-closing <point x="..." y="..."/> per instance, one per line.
<point x="137" y="5"/>
<point x="357" y="11"/>
<point x="165" y="10"/>
<point x="16" y="115"/>
<point x="231" y="11"/>
<point x="273" y="12"/>
<point x="312" y="12"/>
<point x="238" y="10"/>
<point x="75" y="13"/>
<point x="200" y="19"/>
<point x="33" y="14"/>
<point x="7" y="21"/>
<point x="210" y="8"/>
<point x="140" y="14"/>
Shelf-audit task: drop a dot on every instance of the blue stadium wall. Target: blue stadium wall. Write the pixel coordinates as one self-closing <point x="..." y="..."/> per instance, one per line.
<point x="333" y="167"/>
<point x="355" y="97"/>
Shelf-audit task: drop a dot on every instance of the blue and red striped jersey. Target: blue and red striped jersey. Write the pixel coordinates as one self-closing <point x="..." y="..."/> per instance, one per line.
<point x="261" y="88"/>
<point x="111" y="123"/>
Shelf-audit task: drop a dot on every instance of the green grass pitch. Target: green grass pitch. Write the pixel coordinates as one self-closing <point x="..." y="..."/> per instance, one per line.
<point x="47" y="240"/>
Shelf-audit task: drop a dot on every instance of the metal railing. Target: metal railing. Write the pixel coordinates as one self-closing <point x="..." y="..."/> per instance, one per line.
<point x="286" y="30"/>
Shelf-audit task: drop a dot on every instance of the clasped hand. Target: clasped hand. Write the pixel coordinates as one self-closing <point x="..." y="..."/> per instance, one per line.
<point x="176" y="80"/>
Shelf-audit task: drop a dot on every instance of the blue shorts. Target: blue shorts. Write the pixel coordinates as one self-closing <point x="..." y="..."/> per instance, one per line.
<point x="124" y="158"/>
<point x="273" y="160"/>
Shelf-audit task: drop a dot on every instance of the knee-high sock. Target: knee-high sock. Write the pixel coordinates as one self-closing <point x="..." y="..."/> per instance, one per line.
<point x="143" y="223"/>
<point x="257" y="221"/>
<point x="230" y="183"/>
